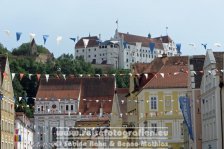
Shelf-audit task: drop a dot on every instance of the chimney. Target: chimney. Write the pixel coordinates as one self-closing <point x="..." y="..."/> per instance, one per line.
<point x="99" y="36"/>
<point x="127" y="32"/>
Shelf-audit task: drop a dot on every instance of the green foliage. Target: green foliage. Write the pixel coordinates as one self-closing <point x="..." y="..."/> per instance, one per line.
<point x="122" y="77"/>
<point x="25" y="50"/>
<point x="3" y="50"/>
<point x="21" y="62"/>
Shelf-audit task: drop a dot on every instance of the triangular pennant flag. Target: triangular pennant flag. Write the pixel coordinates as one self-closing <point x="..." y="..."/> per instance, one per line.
<point x="20" y="98"/>
<point x="18" y="35"/>
<point x="32" y="36"/>
<point x="85" y="41"/>
<point x="30" y="76"/>
<point x="162" y="74"/>
<point x="47" y="77"/>
<point x="45" y="37"/>
<point x="222" y="70"/>
<point x="73" y="39"/>
<point x="192" y="44"/>
<point x="13" y="75"/>
<point x="7" y="32"/>
<point x="21" y="75"/>
<point x="204" y="45"/>
<point x="151" y="46"/>
<point x="175" y="73"/>
<point x="38" y="76"/>
<point x="64" y="76"/>
<point x="98" y="75"/>
<point x="178" y="46"/>
<point x="209" y="71"/>
<point x="217" y="44"/>
<point x="58" y="39"/>
<point x="130" y="74"/>
<point x="146" y="75"/>
<point x="4" y="74"/>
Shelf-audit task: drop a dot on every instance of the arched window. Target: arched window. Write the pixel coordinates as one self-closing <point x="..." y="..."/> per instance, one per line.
<point x="54" y="134"/>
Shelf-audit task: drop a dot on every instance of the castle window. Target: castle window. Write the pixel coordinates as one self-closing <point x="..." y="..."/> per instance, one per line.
<point x="66" y="107"/>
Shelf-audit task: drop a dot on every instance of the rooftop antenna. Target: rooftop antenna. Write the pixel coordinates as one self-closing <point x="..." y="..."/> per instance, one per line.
<point x="117" y="24"/>
<point x="167" y="30"/>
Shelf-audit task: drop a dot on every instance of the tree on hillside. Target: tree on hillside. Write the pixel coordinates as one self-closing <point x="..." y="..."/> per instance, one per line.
<point x="26" y="50"/>
<point x="3" y="50"/>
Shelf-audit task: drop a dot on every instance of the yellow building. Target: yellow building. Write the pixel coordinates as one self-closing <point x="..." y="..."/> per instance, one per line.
<point x="7" y="105"/>
<point x="153" y="99"/>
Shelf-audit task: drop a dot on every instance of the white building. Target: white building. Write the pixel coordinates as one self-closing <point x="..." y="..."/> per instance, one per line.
<point x="23" y="132"/>
<point x="74" y="102"/>
<point x="124" y="49"/>
<point x="211" y="98"/>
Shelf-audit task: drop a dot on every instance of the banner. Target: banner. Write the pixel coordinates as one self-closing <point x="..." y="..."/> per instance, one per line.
<point x="186" y="111"/>
<point x="151" y="46"/>
<point x="178" y="46"/>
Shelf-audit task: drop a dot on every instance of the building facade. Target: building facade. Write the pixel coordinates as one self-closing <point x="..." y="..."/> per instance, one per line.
<point x="7" y="105"/>
<point x="124" y="49"/>
<point x="74" y="102"/>
<point x="24" y="132"/>
<point x="154" y="94"/>
<point x="196" y="64"/>
<point x="211" y="100"/>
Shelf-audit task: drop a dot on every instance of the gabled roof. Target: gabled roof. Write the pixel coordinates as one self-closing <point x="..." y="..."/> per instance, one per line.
<point x="93" y="92"/>
<point x="98" y="92"/>
<point x="164" y="39"/>
<point x="171" y="65"/>
<point x="93" y="42"/>
<point x="132" y="39"/>
<point x="59" y="88"/>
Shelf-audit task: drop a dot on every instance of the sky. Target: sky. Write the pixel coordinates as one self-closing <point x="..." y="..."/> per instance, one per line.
<point x="188" y="21"/>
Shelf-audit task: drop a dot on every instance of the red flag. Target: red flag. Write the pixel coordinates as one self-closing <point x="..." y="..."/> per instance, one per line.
<point x="38" y="76"/>
<point x="21" y="75"/>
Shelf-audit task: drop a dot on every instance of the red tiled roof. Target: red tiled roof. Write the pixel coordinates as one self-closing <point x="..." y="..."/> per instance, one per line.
<point x="97" y="92"/>
<point x="164" y="39"/>
<point x="132" y="39"/>
<point x="93" y="42"/>
<point x="59" y="88"/>
<point x="173" y="64"/>
<point x="97" y="89"/>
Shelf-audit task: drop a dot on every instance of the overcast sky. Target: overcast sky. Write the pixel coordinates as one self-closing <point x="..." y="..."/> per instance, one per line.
<point x="188" y="21"/>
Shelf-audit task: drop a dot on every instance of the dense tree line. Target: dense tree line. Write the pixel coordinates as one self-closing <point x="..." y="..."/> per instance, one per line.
<point x="22" y="62"/>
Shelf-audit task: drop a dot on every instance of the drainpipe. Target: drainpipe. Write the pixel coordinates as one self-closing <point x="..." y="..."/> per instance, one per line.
<point x="221" y="85"/>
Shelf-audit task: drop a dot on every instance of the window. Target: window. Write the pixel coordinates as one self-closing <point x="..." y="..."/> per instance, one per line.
<point x="128" y="47"/>
<point x="42" y="108"/>
<point x="154" y="127"/>
<point x="95" y="49"/>
<point x="127" y="53"/>
<point x="77" y="51"/>
<point x="153" y="103"/>
<point x="89" y="50"/>
<point x="82" y="50"/>
<point x="54" y="134"/>
<point x="126" y="60"/>
<point x="181" y="129"/>
<point x="71" y="107"/>
<point x="105" y="46"/>
<point x="111" y="46"/>
<point x="168" y="103"/>
<point x="94" y="55"/>
<point x="38" y="109"/>
<point x="66" y="107"/>
<point x="41" y="137"/>
<point x="89" y="56"/>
